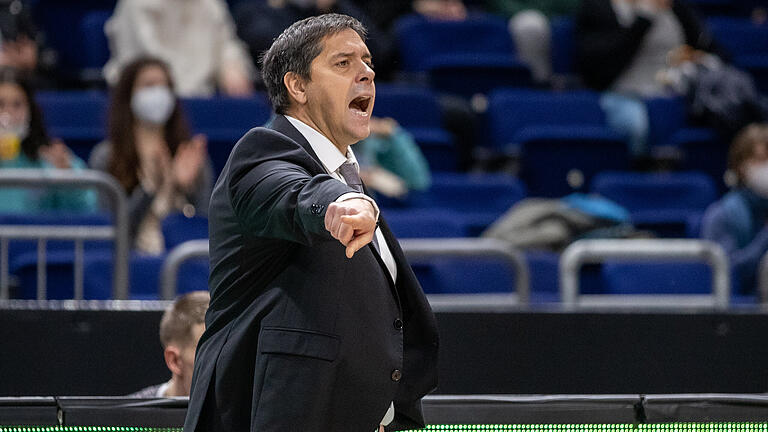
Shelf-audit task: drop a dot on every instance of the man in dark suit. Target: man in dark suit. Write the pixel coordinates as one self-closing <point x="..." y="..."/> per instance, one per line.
<point x="316" y="321"/>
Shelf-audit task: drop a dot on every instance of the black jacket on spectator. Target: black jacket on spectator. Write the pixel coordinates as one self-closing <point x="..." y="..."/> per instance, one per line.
<point x="604" y="48"/>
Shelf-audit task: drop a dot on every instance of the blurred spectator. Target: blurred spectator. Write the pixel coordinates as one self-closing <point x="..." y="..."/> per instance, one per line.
<point x="20" y="43"/>
<point x="195" y="37"/>
<point x="530" y="28"/>
<point x="259" y="23"/>
<point x="739" y="220"/>
<point x="719" y="95"/>
<point x="621" y="45"/>
<point x="391" y="162"/>
<point x="150" y="152"/>
<point x="180" y="329"/>
<point x="24" y="143"/>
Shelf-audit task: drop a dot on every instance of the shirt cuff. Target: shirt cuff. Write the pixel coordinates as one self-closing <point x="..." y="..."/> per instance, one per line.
<point x="356" y="195"/>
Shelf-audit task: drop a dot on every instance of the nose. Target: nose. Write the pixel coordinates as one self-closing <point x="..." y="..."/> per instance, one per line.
<point x="366" y="74"/>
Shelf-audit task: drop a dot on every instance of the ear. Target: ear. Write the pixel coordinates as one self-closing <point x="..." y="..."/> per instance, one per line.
<point x="172" y="356"/>
<point x="296" y="87"/>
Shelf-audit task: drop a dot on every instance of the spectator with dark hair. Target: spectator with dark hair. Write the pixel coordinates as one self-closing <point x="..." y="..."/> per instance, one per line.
<point x="195" y="37"/>
<point x="24" y="143"/>
<point x="739" y="220"/>
<point x="622" y="45"/>
<point x="182" y="325"/>
<point x="151" y="153"/>
<point x="20" y="43"/>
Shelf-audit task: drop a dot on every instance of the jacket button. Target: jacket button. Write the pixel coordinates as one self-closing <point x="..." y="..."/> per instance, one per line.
<point x="398" y="324"/>
<point x="316" y="209"/>
<point x="396" y="375"/>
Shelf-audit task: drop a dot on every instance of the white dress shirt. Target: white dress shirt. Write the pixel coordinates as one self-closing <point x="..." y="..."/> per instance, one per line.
<point x="332" y="159"/>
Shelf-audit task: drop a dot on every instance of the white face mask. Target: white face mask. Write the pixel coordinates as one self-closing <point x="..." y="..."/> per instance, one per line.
<point x="19" y="130"/>
<point x="756" y="178"/>
<point x="154" y="104"/>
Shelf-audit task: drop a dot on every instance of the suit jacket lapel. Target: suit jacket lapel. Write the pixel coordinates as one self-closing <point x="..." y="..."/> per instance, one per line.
<point x="282" y="125"/>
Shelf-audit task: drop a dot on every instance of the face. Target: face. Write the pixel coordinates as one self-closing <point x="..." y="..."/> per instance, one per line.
<point x="188" y="356"/>
<point x="341" y="92"/>
<point x="150" y="76"/>
<point x="759" y="157"/>
<point x="14" y="109"/>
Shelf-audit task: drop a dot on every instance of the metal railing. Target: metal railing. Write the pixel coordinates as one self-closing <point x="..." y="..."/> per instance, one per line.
<point x="176" y="257"/>
<point x="28" y="178"/>
<point x="596" y="251"/>
<point x="473" y="247"/>
<point x="413" y="248"/>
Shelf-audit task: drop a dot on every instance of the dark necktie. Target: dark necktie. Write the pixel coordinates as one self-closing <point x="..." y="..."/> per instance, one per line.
<point x="348" y="170"/>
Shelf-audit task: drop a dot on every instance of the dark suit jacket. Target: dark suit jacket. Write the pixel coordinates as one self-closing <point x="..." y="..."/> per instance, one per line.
<point x="604" y="48"/>
<point x="298" y="337"/>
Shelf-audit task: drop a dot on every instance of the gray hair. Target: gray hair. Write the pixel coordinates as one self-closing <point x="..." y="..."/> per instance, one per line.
<point x="294" y="50"/>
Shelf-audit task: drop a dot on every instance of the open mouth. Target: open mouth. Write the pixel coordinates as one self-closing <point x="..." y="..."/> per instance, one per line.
<point x="360" y="105"/>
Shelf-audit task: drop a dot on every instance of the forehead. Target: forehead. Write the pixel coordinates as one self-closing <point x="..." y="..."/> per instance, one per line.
<point x="345" y="41"/>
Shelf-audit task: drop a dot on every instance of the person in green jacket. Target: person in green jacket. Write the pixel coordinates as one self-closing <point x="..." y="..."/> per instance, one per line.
<point x="24" y="143"/>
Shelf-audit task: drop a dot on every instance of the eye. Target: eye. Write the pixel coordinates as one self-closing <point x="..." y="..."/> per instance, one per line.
<point x="343" y="63"/>
<point x="370" y="64"/>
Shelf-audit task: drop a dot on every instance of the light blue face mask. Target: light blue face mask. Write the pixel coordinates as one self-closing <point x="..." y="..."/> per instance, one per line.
<point x="153" y="105"/>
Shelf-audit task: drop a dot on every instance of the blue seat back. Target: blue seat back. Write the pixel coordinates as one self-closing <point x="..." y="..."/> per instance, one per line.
<point x="563" y="45"/>
<point x="423" y="223"/>
<point x="77" y="117"/>
<point x="225" y="120"/>
<point x="411" y="106"/>
<point x="446" y="275"/>
<point x="178" y="228"/>
<point x="511" y="110"/>
<point x="657" y="278"/>
<point x="740" y="36"/>
<point x="659" y="191"/>
<point x="420" y="39"/>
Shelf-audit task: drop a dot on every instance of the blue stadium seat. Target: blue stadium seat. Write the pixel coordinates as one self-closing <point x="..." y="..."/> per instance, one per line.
<point x="664" y="203"/>
<point x="22" y="254"/>
<point x="225" y="120"/>
<point x="513" y="111"/>
<point x="657" y="278"/>
<point x="563" y="45"/>
<point x="178" y="228"/>
<point x="96" y="47"/>
<point x="462" y="57"/>
<point x="423" y="223"/>
<point x="446" y="275"/>
<point x="561" y="138"/>
<point x="416" y="109"/>
<point x="746" y="42"/>
<point x="476" y="200"/>
<point x="144" y="276"/>
<point x="77" y="117"/>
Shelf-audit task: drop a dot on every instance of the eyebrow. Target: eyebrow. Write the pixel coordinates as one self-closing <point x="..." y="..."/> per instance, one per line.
<point x="366" y="56"/>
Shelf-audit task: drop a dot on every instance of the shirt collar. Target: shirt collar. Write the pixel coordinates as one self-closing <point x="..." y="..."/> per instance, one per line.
<point x="329" y="154"/>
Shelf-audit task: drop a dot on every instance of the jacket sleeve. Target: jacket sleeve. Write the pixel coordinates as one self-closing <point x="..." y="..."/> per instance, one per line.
<point x="718" y="227"/>
<point x="273" y="193"/>
<point x="603" y="47"/>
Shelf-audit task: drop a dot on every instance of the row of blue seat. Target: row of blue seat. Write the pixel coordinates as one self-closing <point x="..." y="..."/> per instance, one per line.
<point x="554" y="133"/>
<point x="437" y="276"/>
<point x="456" y="206"/>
